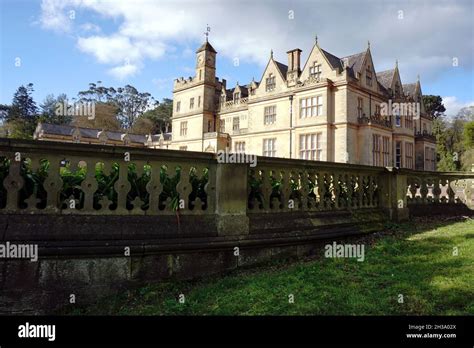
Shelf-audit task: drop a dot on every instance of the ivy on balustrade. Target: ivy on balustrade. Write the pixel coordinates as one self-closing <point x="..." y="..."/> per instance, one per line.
<point x="72" y="179"/>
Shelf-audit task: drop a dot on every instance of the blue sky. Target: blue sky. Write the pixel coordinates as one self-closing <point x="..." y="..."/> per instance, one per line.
<point x="148" y="43"/>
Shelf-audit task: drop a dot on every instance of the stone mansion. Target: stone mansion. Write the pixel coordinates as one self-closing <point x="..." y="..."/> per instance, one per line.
<point x="327" y="109"/>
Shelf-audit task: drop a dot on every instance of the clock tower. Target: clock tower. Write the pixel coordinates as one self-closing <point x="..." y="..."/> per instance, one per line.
<point x="206" y="63"/>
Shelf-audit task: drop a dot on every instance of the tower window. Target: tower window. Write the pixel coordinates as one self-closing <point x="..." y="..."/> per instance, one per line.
<point x="191" y="103"/>
<point x="178" y="106"/>
<point x="199" y="101"/>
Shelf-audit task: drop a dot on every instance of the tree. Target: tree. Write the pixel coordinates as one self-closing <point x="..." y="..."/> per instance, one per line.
<point x="161" y="116"/>
<point x="23" y="114"/>
<point x="143" y="126"/>
<point x="131" y="104"/>
<point x="129" y="101"/>
<point x="469" y="135"/>
<point x="467" y="113"/>
<point x="105" y="118"/>
<point x="49" y="109"/>
<point x="434" y="105"/>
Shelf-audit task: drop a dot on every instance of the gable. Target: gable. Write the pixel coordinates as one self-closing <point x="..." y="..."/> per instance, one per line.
<point x="272" y="69"/>
<point x="325" y="59"/>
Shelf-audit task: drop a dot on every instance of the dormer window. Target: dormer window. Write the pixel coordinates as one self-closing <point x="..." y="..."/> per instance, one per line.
<point x="270" y="83"/>
<point x="315" y="71"/>
<point x="223" y="98"/>
<point x="368" y="76"/>
<point x="236" y="97"/>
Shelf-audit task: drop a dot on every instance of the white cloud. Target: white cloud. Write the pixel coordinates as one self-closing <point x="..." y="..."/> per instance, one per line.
<point x="123" y="71"/>
<point x="453" y="105"/>
<point x="424" y="41"/>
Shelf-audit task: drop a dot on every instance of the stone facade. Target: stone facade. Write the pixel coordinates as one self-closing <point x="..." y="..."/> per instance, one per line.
<point x="329" y="109"/>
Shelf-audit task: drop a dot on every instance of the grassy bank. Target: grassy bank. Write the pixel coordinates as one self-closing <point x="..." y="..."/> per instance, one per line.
<point x="414" y="260"/>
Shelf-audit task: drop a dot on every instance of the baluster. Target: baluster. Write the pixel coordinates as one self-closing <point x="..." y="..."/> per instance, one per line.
<point x="33" y="199"/>
<point x="184" y="188"/>
<point x="154" y="187"/>
<point x="266" y="188"/>
<point x="304" y="182"/>
<point x="13" y="183"/>
<point x="89" y="186"/>
<point x="122" y="187"/>
<point x="436" y="190"/>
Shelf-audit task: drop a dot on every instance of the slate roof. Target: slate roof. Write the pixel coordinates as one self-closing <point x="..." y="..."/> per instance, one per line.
<point x="333" y="60"/>
<point x="66" y="130"/>
<point x="206" y="46"/>
<point x="385" y="78"/>
<point x="283" y="68"/>
<point x="354" y="62"/>
<point x="409" y="89"/>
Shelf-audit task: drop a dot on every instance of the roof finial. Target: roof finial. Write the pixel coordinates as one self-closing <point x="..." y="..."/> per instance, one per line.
<point x="271" y="53"/>
<point x="208" y="30"/>
<point x="368" y="43"/>
<point x="316" y="39"/>
<point x="396" y="63"/>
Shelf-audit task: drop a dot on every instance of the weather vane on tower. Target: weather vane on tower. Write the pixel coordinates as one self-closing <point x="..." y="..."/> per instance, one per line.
<point x="208" y="30"/>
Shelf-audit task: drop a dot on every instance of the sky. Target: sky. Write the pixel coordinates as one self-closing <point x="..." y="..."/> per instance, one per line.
<point x="62" y="45"/>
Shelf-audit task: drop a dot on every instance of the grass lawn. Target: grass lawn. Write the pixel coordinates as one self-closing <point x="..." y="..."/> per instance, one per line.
<point x="415" y="260"/>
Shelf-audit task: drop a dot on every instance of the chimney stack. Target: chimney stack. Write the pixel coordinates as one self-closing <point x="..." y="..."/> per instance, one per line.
<point x="294" y="60"/>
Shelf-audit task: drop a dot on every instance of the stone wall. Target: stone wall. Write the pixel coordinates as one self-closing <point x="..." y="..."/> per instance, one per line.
<point x="104" y="243"/>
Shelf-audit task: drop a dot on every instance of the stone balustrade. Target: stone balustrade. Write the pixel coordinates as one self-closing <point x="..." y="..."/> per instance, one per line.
<point x="180" y="214"/>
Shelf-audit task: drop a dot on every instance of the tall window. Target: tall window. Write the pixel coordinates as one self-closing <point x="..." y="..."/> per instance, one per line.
<point x="178" y="106"/>
<point x="223" y="125"/>
<point x="430" y="158"/>
<point x="360" y="107"/>
<point x="270" y="83"/>
<point x="409" y="121"/>
<point x="191" y="103"/>
<point x="386" y="151"/>
<point x="312" y="106"/>
<point x="209" y="126"/>
<point x="183" y="128"/>
<point x="239" y="147"/>
<point x="376" y="150"/>
<point x="315" y="70"/>
<point x="377" y="109"/>
<point x="397" y="88"/>
<point x="409" y="155"/>
<point x="368" y="76"/>
<point x="310" y="146"/>
<point x="236" y="123"/>
<point x="398" y="119"/>
<point x="269" y="115"/>
<point x="236" y="97"/>
<point x="199" y="101"/>
<point x="269" y="147"/>
<point x="398" y="154"/>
